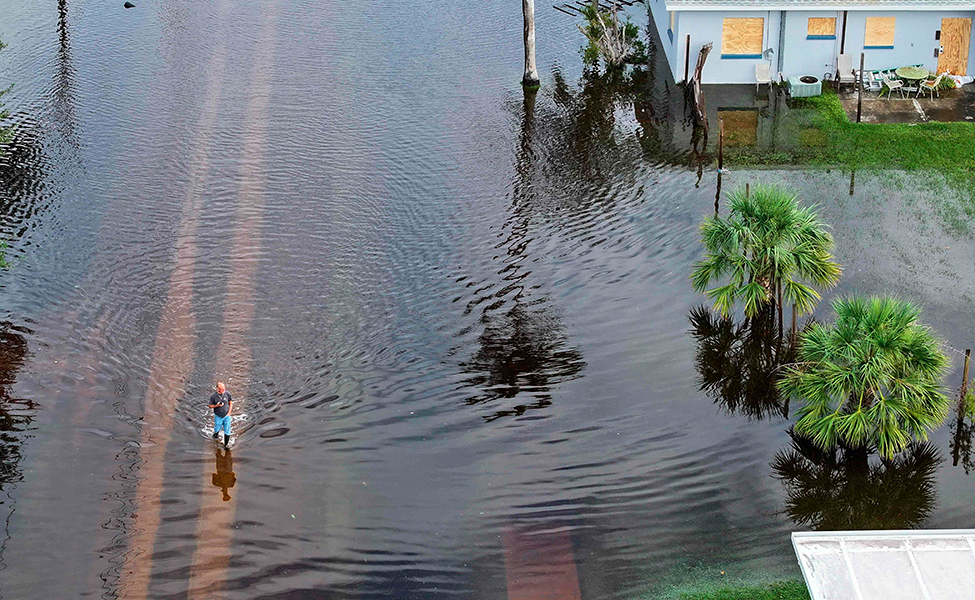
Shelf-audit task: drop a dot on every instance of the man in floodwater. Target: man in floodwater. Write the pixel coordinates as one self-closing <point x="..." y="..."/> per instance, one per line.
<point x="221" y="403"/>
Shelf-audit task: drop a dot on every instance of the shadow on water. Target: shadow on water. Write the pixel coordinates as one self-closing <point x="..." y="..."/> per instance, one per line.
<point x="15" y="418"/>
<point x="845" y="490"/>
<point x="738" y="362"/>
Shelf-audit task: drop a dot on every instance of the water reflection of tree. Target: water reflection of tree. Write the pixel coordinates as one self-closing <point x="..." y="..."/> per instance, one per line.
<point x="521" y="351"/>
<point x="961" y="441"/>
<point x="738" y="362"/>
<point x="15" y="414"/>
<point x="585" y="133"/>
<point x="522" y="348"/>
<point x="15" y="418"/>
<point x="846" y="490"/>
<point x="64" y="89"/>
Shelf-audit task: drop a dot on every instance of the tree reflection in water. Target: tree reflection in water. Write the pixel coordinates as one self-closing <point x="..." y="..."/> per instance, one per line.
<point x="15" y="419"/>
<point x="738" y="362"/>
<point x="522" y="351"/>
<point x="522" y="348"/>
<point x="961" y="441"/>
<point x="845" y="490"/>
<point x="15" y="414"/>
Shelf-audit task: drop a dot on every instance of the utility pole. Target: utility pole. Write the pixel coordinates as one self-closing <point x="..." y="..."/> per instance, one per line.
<point x="530" y="79"/>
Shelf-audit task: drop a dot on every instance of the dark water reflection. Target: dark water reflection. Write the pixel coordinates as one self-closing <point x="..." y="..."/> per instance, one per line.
<point x="224" y="477"/>
<point x="740" y="362"/>
<point x="16" y="415"/>
<point x="522" y="351"/>
<point x="847" y="490"/>
<point x="461" y="313"/>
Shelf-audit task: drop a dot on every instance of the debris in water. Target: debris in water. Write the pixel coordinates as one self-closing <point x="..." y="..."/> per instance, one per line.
<point x="129" y="5"/>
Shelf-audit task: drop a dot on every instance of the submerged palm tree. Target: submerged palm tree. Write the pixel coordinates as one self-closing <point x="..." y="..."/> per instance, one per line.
<point x="768" y="246"/>
<point x="871" y="379"/>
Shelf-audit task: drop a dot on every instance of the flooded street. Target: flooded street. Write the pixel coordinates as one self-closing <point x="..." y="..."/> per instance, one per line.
<point x="457" y="322"/>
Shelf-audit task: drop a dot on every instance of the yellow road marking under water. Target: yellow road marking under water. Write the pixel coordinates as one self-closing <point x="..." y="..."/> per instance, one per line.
<point x="173" y="355"/>
<point x="214" y="526"/>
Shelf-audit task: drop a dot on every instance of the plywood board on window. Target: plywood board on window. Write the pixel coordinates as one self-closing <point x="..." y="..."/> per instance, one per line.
<point x="742" y="36"/>
<point x="880" y="32"/>
<point x="955" y="37"/>
<point x="740" y="127"/>
<point x="821" y="27"/>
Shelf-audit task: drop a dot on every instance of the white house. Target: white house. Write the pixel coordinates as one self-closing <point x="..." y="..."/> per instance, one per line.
<point x="804" y="37"/>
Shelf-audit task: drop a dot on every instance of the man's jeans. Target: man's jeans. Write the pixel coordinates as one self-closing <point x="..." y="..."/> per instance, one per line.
<point x="221" y="423"/>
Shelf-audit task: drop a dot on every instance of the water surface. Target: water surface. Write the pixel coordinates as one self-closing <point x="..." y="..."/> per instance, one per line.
<point x="457" y="322"/>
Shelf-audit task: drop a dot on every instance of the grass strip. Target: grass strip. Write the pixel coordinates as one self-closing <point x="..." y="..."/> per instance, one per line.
<point x="819" y="133"/>
<point x="786" y="590"/>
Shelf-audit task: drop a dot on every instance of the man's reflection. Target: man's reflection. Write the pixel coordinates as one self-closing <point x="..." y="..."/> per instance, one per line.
<point x="224" y="478"/>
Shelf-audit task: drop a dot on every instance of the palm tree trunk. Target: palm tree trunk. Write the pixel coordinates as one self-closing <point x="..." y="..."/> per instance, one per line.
<point x="793" y="320"/>
<point x="531" y="72"/>
<point x="778" y="285"/>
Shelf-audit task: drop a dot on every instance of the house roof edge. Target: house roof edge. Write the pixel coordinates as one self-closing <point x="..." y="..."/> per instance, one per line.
<point x="699" y="7"/>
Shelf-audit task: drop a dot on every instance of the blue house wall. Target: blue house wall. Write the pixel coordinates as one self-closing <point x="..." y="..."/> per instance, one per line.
<point x="706" y="26"/>
<point x="913" y="39"/>
<point x="914" y="42"/>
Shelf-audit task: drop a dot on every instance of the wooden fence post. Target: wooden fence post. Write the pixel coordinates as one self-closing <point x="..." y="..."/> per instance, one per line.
<point x="720" y="145"/>
<point x="964" y="375"/>
<point x="860" y="89"/>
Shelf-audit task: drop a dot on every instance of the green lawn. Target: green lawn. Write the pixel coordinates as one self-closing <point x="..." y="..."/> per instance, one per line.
<point x="789" y="590"/>
<point x="817" y="132"/>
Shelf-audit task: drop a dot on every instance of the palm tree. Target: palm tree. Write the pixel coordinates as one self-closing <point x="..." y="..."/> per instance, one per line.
<point x="769" y="249"/>
<point x="872" y="378"/>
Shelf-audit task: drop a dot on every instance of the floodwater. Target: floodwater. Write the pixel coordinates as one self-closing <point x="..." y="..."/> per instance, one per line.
<point x="457" y="323"/>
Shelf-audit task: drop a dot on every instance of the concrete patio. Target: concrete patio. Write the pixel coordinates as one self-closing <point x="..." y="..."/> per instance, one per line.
<point x="953" y="105"/>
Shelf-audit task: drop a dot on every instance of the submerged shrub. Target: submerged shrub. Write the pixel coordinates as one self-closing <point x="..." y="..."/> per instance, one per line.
<point x="616" y="42"/>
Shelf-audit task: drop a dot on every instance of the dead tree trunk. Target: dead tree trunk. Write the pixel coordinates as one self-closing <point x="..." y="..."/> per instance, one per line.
<point x="531" y="72"/>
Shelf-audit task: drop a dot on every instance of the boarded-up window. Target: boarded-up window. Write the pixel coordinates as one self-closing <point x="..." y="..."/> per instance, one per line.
<point x="880" y="32"/>
<point x="821" y="28"/>
<point x="740" y="126"/>
<point x="742" y="38"/>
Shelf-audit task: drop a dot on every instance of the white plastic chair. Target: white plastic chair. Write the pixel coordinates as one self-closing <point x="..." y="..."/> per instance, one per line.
<point x="892" y="84"/>
<point x="844" y="66"/>
<point x="763" y="74"/>
<point x="931" y="86"/>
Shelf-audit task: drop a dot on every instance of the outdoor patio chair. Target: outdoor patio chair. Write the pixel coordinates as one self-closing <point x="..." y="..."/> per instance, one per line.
<point x="892" y="84"/>
<point x="844" y="69"/>
<point x="763" y="74"/>
<point x="931" y="86"/>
